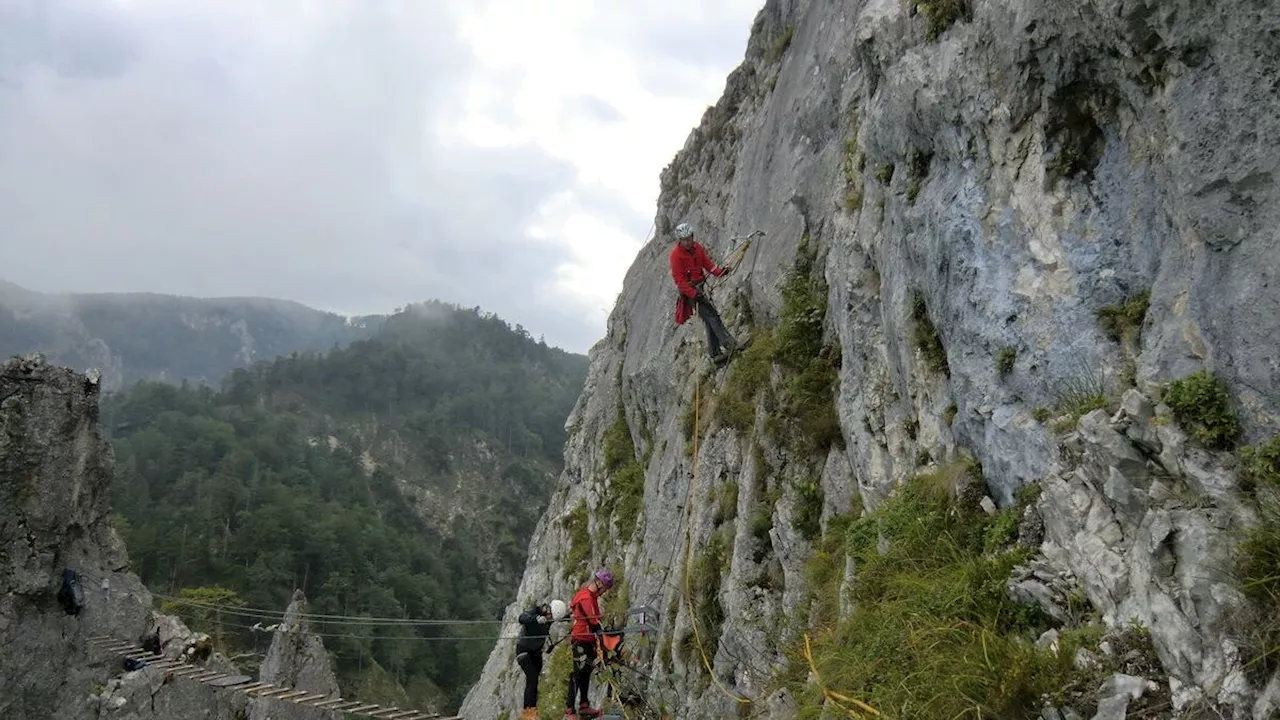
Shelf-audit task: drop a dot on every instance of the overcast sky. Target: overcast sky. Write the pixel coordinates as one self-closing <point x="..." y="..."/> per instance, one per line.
<point x="353" y="155"/>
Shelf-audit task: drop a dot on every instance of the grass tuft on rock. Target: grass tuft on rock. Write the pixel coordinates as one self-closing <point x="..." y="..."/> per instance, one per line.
<point x="933" y="632"/>
<point x="1005" y="358"/>
<point x="1202" y="406"/>
<point x="1122" y="322"/>
<point x="927" y="339"/>
<point x="940" y="14"/>
<point x="808" y="367"/>
<point x="575" y="524"/>
<point x="1258" y="572"/>
<point x="623" y="498"/>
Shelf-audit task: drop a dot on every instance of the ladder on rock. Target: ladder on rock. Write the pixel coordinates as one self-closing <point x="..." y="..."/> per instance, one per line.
<point x="243" y="684"/>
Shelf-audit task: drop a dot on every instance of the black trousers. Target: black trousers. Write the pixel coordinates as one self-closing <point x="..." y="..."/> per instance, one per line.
<point x="531" y="664"/>
<point x="717" y="334"/>
<point x="584" y="661"/>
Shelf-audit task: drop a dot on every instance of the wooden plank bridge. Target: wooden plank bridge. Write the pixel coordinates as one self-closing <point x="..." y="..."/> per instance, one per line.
<point x="243" y="684"/>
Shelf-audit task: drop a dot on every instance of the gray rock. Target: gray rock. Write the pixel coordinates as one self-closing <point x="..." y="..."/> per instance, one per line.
<point x="1048" y="640"/>
<point x="1121" y="684"/>
<point x="1076" y="154"/>
<point x="1114" y="707"/>
<point x="1268" y="703"/>
<point x="296" y="657"/>
<point x="55" y="470"/>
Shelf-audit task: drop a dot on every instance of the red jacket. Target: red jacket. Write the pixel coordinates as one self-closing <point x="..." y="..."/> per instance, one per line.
<point x="690" y="267"/>
<point x="586" y="615"/>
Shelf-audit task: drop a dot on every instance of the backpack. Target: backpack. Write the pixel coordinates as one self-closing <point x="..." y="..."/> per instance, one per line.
<point x="71" y="595"/>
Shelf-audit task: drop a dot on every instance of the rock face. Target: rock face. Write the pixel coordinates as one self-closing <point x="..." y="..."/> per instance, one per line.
<point x="296" y="657"/>
<point x="55" y="469"/>
<point x="980" y="189"/>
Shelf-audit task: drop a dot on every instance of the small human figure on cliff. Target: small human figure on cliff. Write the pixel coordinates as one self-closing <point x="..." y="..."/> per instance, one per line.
<point x="535" y="625"/>
<point x="690" y="265"/>
<point x="584" y="639"/>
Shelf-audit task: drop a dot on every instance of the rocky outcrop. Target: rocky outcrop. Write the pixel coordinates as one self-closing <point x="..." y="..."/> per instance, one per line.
<point x="296" y="657"/>
<point x="55" y="470"/>
<point x="1018" y="211"/>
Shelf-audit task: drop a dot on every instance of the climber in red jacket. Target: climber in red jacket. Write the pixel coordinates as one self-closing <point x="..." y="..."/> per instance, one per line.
<point x="689" y="268"/>
<point x="584" y="639"/>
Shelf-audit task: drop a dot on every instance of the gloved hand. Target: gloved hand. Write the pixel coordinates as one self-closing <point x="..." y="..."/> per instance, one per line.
<point x="543" y="619"/>
<point x="726" y="271"/>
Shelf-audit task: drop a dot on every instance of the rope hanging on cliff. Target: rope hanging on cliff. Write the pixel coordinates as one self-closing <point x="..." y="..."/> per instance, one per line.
<point x="835" y="698"/>
<point x="688" y="551"/>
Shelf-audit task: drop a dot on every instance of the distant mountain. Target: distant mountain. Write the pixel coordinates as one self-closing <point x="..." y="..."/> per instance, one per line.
<point x="147" y="336"/>
<point x="400" y="475"/>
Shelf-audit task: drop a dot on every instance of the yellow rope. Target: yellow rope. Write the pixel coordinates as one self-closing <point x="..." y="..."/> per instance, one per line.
<point x="688" y="550"/>
<point x="835" y="698"/>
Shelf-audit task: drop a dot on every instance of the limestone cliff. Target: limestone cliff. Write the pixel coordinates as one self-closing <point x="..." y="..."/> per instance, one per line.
<point x="997" y="227"/>
<point x="55" y="470"/>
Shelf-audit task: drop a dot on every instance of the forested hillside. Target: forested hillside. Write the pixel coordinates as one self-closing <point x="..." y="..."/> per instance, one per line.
<point x="400" y="476"/>
<point x="147" y="336"/>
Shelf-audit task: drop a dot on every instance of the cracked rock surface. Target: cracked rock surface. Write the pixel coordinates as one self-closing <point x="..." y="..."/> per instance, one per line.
<point x="55" y="469"/>
<point x="1032" y="163"/>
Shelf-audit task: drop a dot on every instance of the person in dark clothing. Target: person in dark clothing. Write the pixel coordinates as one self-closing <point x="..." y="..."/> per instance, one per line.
<point x="690" y="266"/>
<point x="535" y="626"/>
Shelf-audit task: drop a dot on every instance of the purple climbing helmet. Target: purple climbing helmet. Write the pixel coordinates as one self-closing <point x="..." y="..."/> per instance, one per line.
<point x="605" y="577"/>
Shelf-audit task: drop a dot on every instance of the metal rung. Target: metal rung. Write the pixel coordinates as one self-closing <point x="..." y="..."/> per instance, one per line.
<point x="382" y="714"/>
<point x="311" y="699"/>
<point x="265" y="687"/>
<point x="346" y="706"/>
<point x="402" y="715"/>
<point x="363" y="709"/>
<point x="292" y="695"/>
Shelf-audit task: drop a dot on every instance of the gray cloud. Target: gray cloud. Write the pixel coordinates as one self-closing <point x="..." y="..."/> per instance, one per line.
<point x="683" y="46"/>
<point x="164" y="150"/>
<point x="208" y="148"/>
<point x="593" y="107"/>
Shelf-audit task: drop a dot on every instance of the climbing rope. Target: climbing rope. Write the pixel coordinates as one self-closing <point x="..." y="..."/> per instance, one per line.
<point x="688" y="552"/>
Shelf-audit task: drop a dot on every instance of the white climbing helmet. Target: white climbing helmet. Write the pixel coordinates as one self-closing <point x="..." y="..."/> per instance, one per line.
<point x="683" y="231"/>
<point x="558" y="609"/>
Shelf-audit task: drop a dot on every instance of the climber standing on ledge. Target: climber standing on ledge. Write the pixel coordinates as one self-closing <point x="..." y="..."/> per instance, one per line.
<point x="584" y="638"/>
<point x="534" y="625"/>
<point x="689" y="267"/>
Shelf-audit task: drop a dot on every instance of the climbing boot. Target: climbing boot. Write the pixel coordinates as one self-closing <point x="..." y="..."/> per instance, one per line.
<point x="529" y="714"/>
<point x="585" y="710"/>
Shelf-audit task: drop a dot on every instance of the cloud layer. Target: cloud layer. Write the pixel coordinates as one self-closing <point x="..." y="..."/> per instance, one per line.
<point x="354" y="155"/>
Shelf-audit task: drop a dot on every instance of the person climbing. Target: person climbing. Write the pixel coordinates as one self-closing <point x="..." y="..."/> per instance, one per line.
<point x="535" y="624"/>
<point x="584" y="639"/>
<point x="690" y="265"/>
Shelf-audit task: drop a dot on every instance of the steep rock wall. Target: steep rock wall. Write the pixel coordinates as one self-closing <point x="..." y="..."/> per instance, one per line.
<point x="975" y="188"/>
<point x="55" y="471"/>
